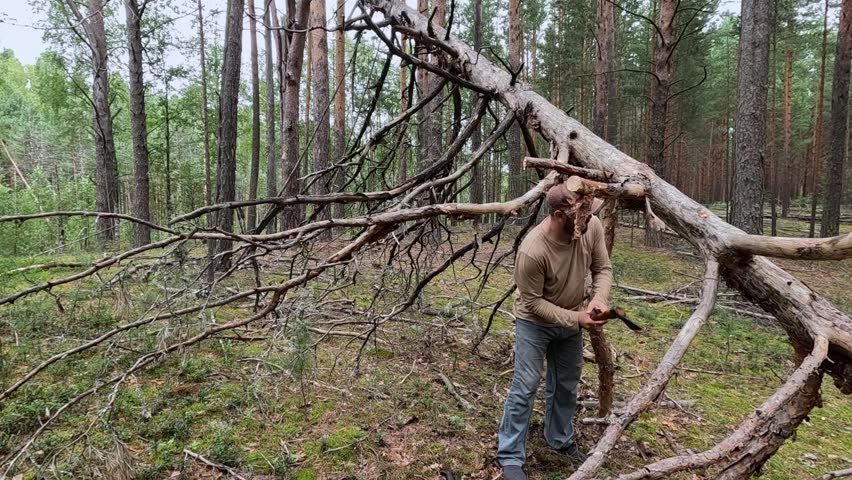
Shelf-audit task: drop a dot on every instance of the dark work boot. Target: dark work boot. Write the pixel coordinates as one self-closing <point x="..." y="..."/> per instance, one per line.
<point x="574" y="454"/>
<point x="514" y="472"/>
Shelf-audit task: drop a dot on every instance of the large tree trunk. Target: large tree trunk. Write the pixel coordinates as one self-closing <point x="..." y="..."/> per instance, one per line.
<point x="750" y="132"/>
<point x="269" y="79"/>
<point x="517" y="185"/>
<point x="663" y="66"/>
<point x="106" y="167"/>
<point x="227" y="149"/>
<point x="251" y="214"/>
<point x="319" y="69"/>
<point x="138" y="127"/>
<point x="291" y="215"/>
<point x="839" y="109"/>
<point x="339" y="101"/>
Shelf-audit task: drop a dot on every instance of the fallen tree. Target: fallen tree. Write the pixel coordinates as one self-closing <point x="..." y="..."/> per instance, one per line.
<point x="404" y="227"/>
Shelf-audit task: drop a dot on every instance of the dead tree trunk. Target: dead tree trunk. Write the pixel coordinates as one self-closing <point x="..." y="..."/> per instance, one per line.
<point x="227" y="148"/>
<point x="254" y="174"/>
<point x="834" y="175"/>
<point x="750" y="132"/>
<point x="138" y="126"/>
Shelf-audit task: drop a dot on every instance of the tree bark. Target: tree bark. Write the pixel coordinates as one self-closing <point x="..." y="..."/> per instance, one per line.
<point x="835" y="163"/>
<point x="476" y="139"/>
<point x="251" y="214"/>
<point x="106" y="167"/>
<point x="339" y="101"/>
<point x="138" y="126"/>
<point x="227" y="148"/>
<point x="291" y="215"/>
<point x="269" y="79"/>
<point x="208" y="183"/>
<point x="663" y="66"/>
<point x="321" y="103"/>
<point x="750" y="133"/>
<point x="605" y="76"/>
<point x="516" y="172"/>
<point x="787" y="184"/>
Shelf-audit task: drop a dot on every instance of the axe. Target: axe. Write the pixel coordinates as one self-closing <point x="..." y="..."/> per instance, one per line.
<point x="616" y="312"/>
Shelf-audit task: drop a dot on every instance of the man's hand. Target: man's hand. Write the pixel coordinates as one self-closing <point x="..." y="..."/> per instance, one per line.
<point x="596" y="306"/>
<point x="586" y="322"/>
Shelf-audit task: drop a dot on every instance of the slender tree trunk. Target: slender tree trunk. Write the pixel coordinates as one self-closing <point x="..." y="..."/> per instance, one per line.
<point x="771" y="144"/>
<point x="168" y="146"/>
<point x="404" y="102"/>
<point x="281" y="64"/>
<point x="787" y="185"/>
<point x="750" y="133"/>
<point x="835" y="162"/>
<point x="138" y="127"/>
<point x="251" y="214"/>
<point x="476" y="138"/>
<point x="339" y="101"/>
<point x="663" y="50"/>
<point x="424" y="115"/>
<point x="291" y="215"/>
<point x="208" y="183"/>
<point x="319" y="57"/>
<point x="516" y="173"/>
<point x="227" y="147"/>
<point x="269" y="79"/>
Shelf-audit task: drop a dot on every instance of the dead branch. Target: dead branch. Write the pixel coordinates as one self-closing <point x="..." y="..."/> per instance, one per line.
<point x="745" y="434"/>
<point x="834" y="248"/>
<point x="218" y="466"/>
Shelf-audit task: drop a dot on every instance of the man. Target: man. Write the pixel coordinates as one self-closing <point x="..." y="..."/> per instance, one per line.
<point x="550" y="271"/>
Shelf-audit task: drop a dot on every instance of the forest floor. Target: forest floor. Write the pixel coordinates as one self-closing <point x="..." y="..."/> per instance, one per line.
<point x="271" y="403"/>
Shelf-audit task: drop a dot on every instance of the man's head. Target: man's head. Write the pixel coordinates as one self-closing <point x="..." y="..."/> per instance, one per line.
<point x="568" y="210"/>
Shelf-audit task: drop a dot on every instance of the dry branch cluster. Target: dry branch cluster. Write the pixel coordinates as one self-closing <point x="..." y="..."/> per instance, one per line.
<point x="407" y="228"/>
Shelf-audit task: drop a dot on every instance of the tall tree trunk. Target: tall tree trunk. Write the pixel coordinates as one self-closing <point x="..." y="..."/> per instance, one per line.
<point x="168" y="147"/>
<point x="516" y="172"/>
<point x="424" y="115"/>
<point x="476" y="138"/>
<point x="404" y="102"/>
<point x="663" y="50"/>
<point x="787" y="185"/>
<point x="106" y="167"/>
<point x="291" y="215"/>
<point x="839" y="110"/>
<point x="750" y="133"/>
<point x="208" y="183"/>
<point x="319" y="68"/>
<point x="771" y="144"/>
<point x="339" y="101"/>
<point x="605" y="75"/>
<point x="227" y="147"/>
<point x="281" y="64"/>
<point x="251" y="214"/>
<point x="269" y="79"/>
<point x="138" y="127"/>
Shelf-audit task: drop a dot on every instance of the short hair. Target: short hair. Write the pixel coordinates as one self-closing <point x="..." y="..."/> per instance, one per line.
<point x="560" y="198"/>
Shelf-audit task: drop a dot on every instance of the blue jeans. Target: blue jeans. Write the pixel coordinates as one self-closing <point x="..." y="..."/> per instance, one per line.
<point x="563" y="349"/>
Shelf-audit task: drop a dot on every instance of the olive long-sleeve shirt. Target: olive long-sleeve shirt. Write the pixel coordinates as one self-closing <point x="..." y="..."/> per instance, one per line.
<point x="551" y="275"/>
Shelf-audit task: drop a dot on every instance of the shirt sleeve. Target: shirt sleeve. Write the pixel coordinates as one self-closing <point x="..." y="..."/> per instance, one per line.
<point x="529" y="277"/>
<point x="601" y="267"/>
